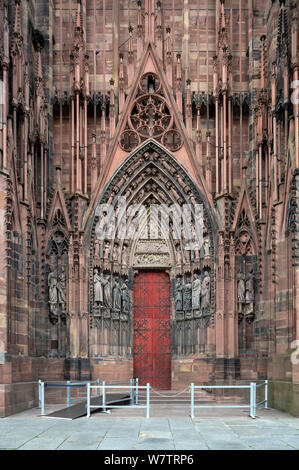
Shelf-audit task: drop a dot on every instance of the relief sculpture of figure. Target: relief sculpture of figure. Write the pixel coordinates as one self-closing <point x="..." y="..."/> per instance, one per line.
<point x="52" y="285"/>
<point x="117" y="295"/>
<point x="187" y="298"/>
<point x="196" y="290"/>
<point x="107" y="291"/>
<point x="206" y="245"/>
<point x="241" y="287"/>
<point x="178" y="296"/>
<point x="53" y="294"/>
<point x="205" y="291"/>
<point x="97" y="287"/>
<point x="125" y="297"/>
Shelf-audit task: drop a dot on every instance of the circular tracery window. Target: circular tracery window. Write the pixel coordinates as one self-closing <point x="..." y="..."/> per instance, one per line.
<point x="150" y="83"/>
<point x="172" y="140"/>
<point x="150" y="117"/>
<point x="129" y="140"/>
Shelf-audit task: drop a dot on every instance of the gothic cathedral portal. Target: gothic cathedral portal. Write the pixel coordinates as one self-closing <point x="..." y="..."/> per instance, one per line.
<point x="149" y="188"/>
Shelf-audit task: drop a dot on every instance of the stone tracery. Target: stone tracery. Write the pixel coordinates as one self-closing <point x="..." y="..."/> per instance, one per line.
<point x="150" y="117"/>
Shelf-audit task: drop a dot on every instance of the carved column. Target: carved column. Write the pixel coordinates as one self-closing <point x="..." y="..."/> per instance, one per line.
<point x="112" y="110"/>
<point x="220" y="299"/>
<point x="139" y="32"/>
<point x="130" y="59"/>
<point x="94" y="169"/>
<point x="169" y="64"/>
<point x="159" y="34"/>
<point x="121" y="91"/>
<point x="209" y="168"/>
<point x="179" y="97"/>
<point x="232" y="320"/>
<point x="188" y="110"/>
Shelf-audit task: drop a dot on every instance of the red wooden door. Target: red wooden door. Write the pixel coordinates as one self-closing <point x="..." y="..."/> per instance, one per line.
<point x="152" y="360"/>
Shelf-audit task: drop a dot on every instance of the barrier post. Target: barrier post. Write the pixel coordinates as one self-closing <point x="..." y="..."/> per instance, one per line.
<point x="192" y="400"/>
<point x="68" y="394"/>
<point x="266" y="394"/>
<point x="43" y="398"/>
<point x="39" y="394"/>
<point x="98" y="390"/>
<point x="252" y="399"/>
<point x="137" y="390"/>
<point x="88" y="400"/>
<point x="104" y="396"/>
<point x="131" y="391"/>
<point x="147" y="400"/>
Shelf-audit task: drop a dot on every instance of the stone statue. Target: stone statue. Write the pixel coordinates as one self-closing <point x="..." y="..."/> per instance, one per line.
<point x="196" y="290"/>
<point x="187" y="296"/>
<point x="186" y="248"/>
<point x="178" y="296"/>
<point x="52" y="286"/>
<point x="106" y="291"/>
<point x="206" y="245"/>
<point x="178" y="254"/>
<point x="241" y="287"/>
<point x="205" y="291"/>
<point x="107" y="249"/>
<point x="117" y="295"/>
<point x="61" y="286"/>
<point x="249" y="287"/>
<point x="195" y="243"/>
<point x="97" y="249"/>
<point x="125" y="297"/>
<point x="115" y="253"/>
<point x="53" y="295"/>
<point x="97" y="287"/>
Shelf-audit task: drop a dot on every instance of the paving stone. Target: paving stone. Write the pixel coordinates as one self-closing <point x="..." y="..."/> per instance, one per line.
<point x="155" y="434"/>
<point x="266" y="443"/>
<point x="221" y="445"/>
<point x="41" y="444"/>
<point x="122" y="432"/>
<point x="292" y="441"/>
<point x="180" y="434"/>
<point x="117" y="444"/>
<point x="179" y="446"/>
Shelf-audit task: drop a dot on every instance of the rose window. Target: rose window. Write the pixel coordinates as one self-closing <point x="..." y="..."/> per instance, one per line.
<point x="150" y="117"/>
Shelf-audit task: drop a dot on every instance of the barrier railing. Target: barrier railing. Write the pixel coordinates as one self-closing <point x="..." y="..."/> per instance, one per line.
<point x="70" y="400"/>
<point x="251" y="406"/>
<point x="69" y="385"/>
<point x="129" y="383"/>
<point x="265" y="401"/>
<point x="134" y="393"/>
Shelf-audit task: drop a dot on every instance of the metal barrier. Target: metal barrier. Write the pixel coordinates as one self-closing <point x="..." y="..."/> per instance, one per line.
<point x="265" y="401"/>
<point x="129" y="383"/>
<point x="41" y="392"/>
<point x="134" y="389"/>
<point x="70" y="400"/>
<point x="252" y="405"/>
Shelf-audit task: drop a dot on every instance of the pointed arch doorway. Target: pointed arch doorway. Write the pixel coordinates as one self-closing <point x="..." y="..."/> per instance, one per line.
<point x="152" y="350"/>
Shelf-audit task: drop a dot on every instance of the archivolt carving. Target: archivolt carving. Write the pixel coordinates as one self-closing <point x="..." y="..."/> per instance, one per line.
<point x="150" y="177"/>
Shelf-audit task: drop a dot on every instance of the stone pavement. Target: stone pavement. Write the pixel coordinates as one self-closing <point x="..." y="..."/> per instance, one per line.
<point x="214" y="429"/>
